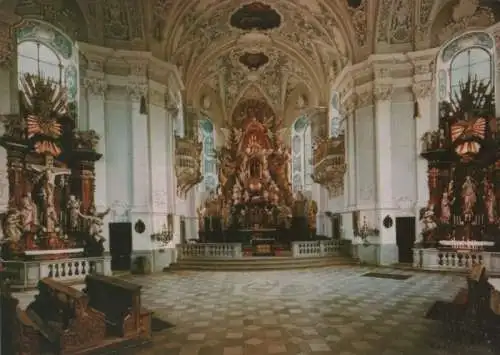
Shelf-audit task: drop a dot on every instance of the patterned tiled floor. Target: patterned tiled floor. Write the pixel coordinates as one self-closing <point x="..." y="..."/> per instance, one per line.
<point x="319" y="311"/>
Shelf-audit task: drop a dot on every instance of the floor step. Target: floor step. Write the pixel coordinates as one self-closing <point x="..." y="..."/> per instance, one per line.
<point x="262" y="263"/>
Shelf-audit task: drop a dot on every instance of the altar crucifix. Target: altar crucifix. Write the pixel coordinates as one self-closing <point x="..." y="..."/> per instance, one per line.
<point x="48" y="173"/>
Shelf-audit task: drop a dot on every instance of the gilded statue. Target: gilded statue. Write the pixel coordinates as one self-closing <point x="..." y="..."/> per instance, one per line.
<point x="312" y="212"/>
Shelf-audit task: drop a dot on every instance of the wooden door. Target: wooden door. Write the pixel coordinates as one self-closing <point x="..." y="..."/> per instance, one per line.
<point x="120" y="245"/>
<point x="405" y="238"/>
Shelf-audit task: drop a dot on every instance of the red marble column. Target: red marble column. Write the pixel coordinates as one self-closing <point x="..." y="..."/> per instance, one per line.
<point x="17" y="186"/>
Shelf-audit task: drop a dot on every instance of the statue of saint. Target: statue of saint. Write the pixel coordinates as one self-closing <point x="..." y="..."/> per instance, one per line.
<point x="95" y="223"/>
<point x="490" y="202"/>
<point x="469" y="198"/>
<point x="445" y="208"/>
<point x="29" y="214"/>
<point x="12" y="226"/>
<point x="73" y="207"/>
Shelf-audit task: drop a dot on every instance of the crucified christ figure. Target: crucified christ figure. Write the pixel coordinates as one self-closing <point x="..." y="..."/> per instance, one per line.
<point x="48" y="173"/>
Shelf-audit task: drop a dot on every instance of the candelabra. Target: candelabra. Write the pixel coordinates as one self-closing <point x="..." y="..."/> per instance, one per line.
<point x="164" y="236"/>
<point x="366" y="231"/>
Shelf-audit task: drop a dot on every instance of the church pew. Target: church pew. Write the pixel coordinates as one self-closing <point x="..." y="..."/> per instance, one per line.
<point x="120" y="301"/>
<point x="21" y="336"/>
<point x="64" y="319"/>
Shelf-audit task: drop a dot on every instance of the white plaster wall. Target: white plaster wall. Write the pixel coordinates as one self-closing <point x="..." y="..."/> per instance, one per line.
<point x="83" y="112"/>
<point x="365" y="158"/>
<point x="6" y="107"/>
<point x="403" y="155"/>
<point x="118" y="153"/>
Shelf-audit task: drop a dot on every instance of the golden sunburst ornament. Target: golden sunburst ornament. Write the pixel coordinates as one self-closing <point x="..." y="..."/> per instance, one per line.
<point x="45" y="102"/>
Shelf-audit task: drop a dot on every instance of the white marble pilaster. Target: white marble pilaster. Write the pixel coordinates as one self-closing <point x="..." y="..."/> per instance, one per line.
<point x="158" y="153"/>
<point x="350" y="136"/>
<point x="423" y="123"/>
<point x="96" y="87"/>
<point x="383" y="168"/>
<point x="9" y="102"/>
<point x="140" y="162"/>
<point x="170" y="159"/>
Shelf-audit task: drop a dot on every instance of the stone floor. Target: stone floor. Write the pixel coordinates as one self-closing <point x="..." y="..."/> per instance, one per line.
<point x="319" y="311"/>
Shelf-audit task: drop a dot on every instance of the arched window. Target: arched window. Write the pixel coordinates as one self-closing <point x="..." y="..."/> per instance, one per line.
<point x="468" y="56"/>
<point x="45" y="51"/>
<point x="206" y="134"/>
<point x="335" y="119"/>
<point x="301" y="155"/>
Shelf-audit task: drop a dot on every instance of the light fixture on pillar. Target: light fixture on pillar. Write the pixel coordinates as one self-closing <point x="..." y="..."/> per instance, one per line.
<point x="416" y="109"/>
<point x="164" y="236"/>
<point x="144" y="107"/>
<point x="364" y="231"/>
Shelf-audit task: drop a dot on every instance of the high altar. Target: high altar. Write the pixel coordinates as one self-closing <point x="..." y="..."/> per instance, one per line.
<point x="51" y="212"/>
<point x="464" y="171"/>
<point x="254" y="195"/>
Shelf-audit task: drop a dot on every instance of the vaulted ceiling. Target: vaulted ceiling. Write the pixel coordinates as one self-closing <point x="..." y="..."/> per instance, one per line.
<point x="227" y="50"/>
<point x="284" y="51"/>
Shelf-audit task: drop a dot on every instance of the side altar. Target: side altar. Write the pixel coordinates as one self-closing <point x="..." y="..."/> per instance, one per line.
<point x="254" y="203"/>
<point x="51" y="227"/>
<point x="461" y="224"/>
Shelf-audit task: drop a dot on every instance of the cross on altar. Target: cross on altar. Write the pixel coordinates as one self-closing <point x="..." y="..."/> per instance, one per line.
<point x="48" y="173"/>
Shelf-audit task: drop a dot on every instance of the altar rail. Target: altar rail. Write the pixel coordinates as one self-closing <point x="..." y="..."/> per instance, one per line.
<point x="26" y="274"/>
<point x="317" y="248"/>
<point x="453" y="260"/>
<point x="302" y="249"/>
<point x="210" y="250"/>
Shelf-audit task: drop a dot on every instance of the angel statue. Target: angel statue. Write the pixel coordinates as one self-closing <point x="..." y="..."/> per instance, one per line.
<point x="12" y="226"/>
<point x="95" y="223"/>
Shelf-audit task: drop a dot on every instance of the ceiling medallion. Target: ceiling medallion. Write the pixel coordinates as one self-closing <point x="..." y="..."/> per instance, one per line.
<point x="255" y="16"/>
<point x="254" y="61"/>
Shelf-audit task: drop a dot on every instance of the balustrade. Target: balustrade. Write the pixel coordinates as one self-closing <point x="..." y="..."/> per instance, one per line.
<point x="211" y="250"/>
<point x="26" y="274"/>
<point x="319" y="248"/>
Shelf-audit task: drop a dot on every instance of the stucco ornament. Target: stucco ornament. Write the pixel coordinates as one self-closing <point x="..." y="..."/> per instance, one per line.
<point x="301" y="48"/>
<point x="466" y="14"/>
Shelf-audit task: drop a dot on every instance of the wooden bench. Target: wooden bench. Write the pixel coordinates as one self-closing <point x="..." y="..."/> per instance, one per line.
<point x="64" y="318"/>
<point x="21" y="336"/>
<point x="120" y="301"/>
